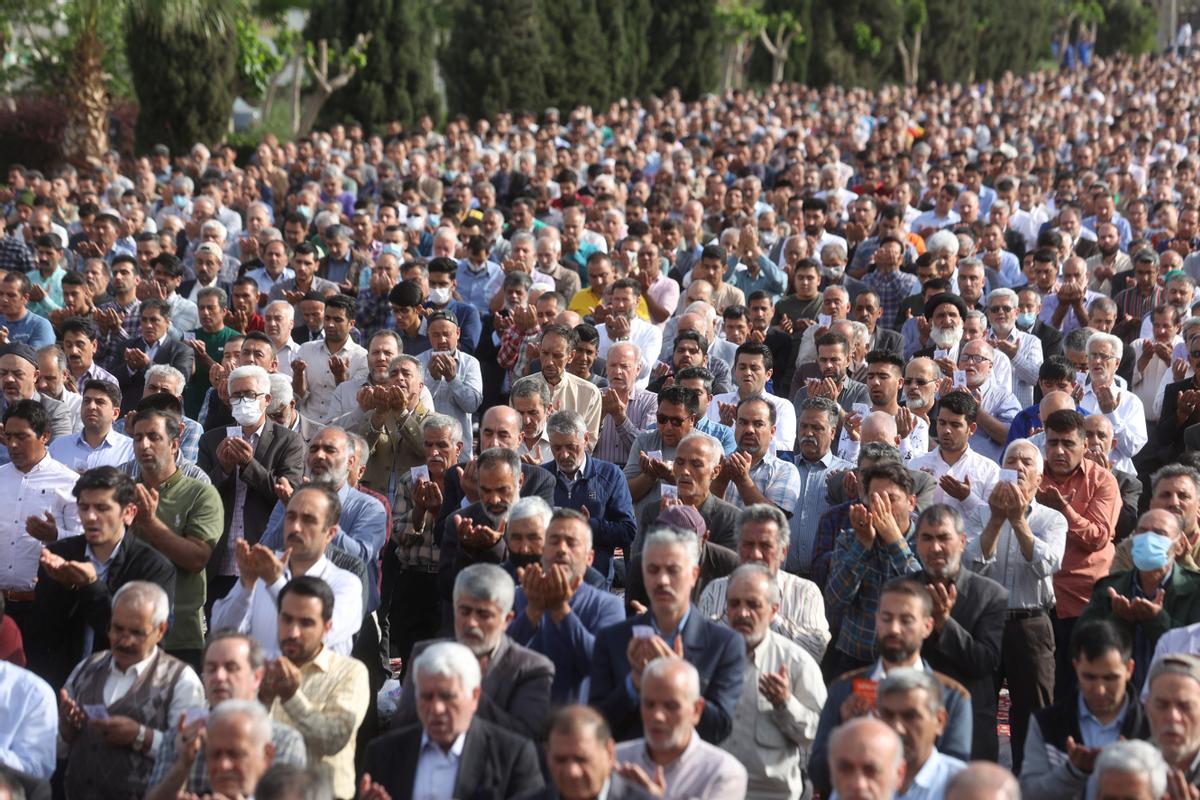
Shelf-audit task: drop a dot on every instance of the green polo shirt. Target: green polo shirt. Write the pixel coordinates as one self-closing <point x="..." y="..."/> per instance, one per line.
<point x="193" y="509"/>
<point x="198" y="385"/>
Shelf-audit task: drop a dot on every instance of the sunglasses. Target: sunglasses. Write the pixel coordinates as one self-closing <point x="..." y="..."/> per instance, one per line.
<point x="678" y="422"/>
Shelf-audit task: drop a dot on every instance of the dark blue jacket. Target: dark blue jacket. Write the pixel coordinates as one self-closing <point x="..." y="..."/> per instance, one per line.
<point x="470" y="327"/>
<point x="604" y="490"/>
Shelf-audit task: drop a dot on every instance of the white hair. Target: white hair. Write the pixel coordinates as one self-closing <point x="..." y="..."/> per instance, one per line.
<point x="260" y="723"/>
<point x="1025" y="444"/>
<point x="288" y="309"/>
<point x="715" y="450"/>
<point x="149" y="593"/>
<point x="637" y="351"/>
<point x="441" y="422"/>
<point x="1137" y="757"/>
<point x="217" y="226"/>
<point x="1118" y="347"/>
<point x="663" y="667"/>
<point x="882" y="421"/>
<point x="281" y="392"/>
<point x="166" y="371"/>
<point x="942" y="242"/>
<point x="448" y="660"/>
<point x="262" y="378"/>
<point x="528" y="507"/>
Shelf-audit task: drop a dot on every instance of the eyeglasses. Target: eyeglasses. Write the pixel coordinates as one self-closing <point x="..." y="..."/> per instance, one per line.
<point x="973" y="359"/>
<point x="1000" y="309"/>
<point x="677" y="422"/>
<point x="916" y="382"/>
<point x="1101" y="357"/>
<point x="240" y="396"/>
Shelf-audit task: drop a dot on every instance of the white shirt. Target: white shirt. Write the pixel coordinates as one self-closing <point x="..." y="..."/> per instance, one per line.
<point x="1149" y="385"/>
<point x="28" y="722"/>
<point x="785" y="417"/>
<point x="647" y="337"/>
<point x="76" y="453"/>
<point x="982" y="472"/>
<point x="284" y="356"/>
<point x="316" y="405"/>
<point x="460" y="397"/>
<point x="1176" y="640"/>
<point x="801" y="617"/>
<point x="1128" y="421"/>
<point x="1025" y="365"/>
<point x="254" y="611"/>
<point x="911" y="446"/>
<point x="437" y="770"/>
<point x="46" y="487"/>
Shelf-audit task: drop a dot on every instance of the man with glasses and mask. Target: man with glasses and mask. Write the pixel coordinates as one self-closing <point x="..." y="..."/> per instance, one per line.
<point x="1103" y="395"/>
<point x="1023" y="350"/>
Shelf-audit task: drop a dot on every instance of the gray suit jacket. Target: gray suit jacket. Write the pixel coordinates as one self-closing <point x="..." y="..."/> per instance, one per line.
<point x="516" y="689"/>
<point x="890" y="341"/>
<point x="61" y="423"/>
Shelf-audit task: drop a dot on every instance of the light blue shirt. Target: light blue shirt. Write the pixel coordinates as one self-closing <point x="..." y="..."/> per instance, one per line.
<point x="264" y="280"/>
<point x="809" y="508"/>
<point x="35" y="331"/>
<point x="478" y="288"/>
<point x="931" y="780"/>
<point x="1094" y="732"/>
<point x="437" y="770"/>
<point x="76" y="453"/>
<point x="28" y="722"/>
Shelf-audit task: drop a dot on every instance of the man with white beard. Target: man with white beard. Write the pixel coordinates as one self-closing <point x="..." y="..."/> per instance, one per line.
<point x="946" y="313"/>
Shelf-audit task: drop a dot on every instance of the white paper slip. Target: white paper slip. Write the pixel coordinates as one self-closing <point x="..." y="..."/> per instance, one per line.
<point x="670" y="491"/>
<point x="1009" y="476"/>
<point x="96" y="712"/>
<point x="654" y="454"/>
<point x="643" y="632"/>
<point x="862" y="409"/>
<point x="960" y="378"/>
<point x="194" y="715"/>
<point x="233" y="432"/>
<point x="940" y="353"/>
<point x="420" y="473"/>
<point x="1081" y="378"/>
<point x="824" y="320"/>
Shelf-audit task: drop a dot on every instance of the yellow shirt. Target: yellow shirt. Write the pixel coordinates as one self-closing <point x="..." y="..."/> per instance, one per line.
<point x="585" y="301"/>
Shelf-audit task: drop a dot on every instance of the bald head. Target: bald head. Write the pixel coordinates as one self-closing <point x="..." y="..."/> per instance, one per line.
<point x="500" y="427"/>
<point x="983" y="780"/>
<point x="879" y="426"/>
<point x="1055" y="401"/>
<point x="866" y="760"/>
<point x="569" y="319"/>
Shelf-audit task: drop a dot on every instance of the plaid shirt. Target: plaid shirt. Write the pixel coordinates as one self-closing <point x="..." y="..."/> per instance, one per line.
<point x="374" y="314"/>
<point x="513" y="351"/>
<point x="289" y="749"/>
<point x="131" y="329"/>
<point x="422" y="557"/>
<point x="778" y="480"/>
<point x="15" y="255"/>
<point x="833" y="522"/>
<point x="892" y="289"/>
<point x="856" y="578"/>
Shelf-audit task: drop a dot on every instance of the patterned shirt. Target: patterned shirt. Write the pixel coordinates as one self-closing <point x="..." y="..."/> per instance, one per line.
<point x="856" y="578"/>
<point x="425" y="555"/>
<point x="778" y="480"/>
<point x="809" y="507"/>
<point x="131" y="328"/>
<point x="833" y="522"/>
<point x="892" y="289"/>
<point x="289" y="749"/>
<point x="15" y="255"/>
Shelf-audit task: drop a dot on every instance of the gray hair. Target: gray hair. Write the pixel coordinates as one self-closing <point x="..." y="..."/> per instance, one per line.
<point x="499" y="455"/>
<point x="765" y="512"/>
<point x="281" y="392"/>
<point x="908" y="679"/>
<point x="662" y="667"/>
<point x="1118" y="347"/>
<point x="878" y="451"/>
<point x="832" y="413"/>
<point x="361" y="447"/>
<point x="262" y="378"/>
<point x="449" y="660"/>
<point x="149" y="593"/>
<point x="486" y="582"/>
<point x="670" y="535"/>
<point x="715" y="450"/>
<point x="942" y="242"/>
<point x="441" y="422"/>
<point x="215" y="226"/>
<point x="940" y="512"/>
<point x="1078" y="339"/>
<point x="1137" y="757"/>
<point x="260" y="723"/>
<point x="1025" y="444"/>
<point x="833" y="250"/>
<point x="213" y="291"/>
<point x="59" y="356"/>
<point x="1002" y="293"/>
<point x="522" y="237"/>
<point x="288" y="309"/>
<point x="528" y="507"/>
<point x="167" y="371"/>
<point x="529" y="386"/>
<point x="405" y="358"/>
<point x="754" y="569"/>
<point x="975" y="313"/>
<point x="567" y="423"/>
<point x="1175" y="471"/>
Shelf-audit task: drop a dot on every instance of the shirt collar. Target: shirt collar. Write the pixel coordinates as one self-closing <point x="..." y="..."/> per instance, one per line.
<point x="92" y="556"/>
<point x="456" y="749"/>
<point x="136" y="670"/>
<point x="678" y="628"/>
<point x="1086" y="714"/>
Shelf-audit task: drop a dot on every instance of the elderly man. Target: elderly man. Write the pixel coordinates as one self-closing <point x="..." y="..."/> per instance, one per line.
<point x="389" y="418"/>
<point x="1173" y="707"/>
<point x="234" y="667"/>
<point x="583" y="481"/>
<point x="119" y="706"/>
<point x="817" y="425"/>
<point x="1104" y="396"/>
<point x="1065" y="739"/>
<point x="763" y="539"/>
<point x="670" y="568"/>
<point x="911" y="701"/>
<point x="581" y="759"/>
<point x="515" y="688"/>
<point x="783" y="675"/>
<point x="568" y="392"/>
<point x="282" y="409"/>
<point x="649" y="464"/>
<point x="866" y="760"/>
<point x="1135" y="770"/>
<point x="968" y="619"/>
<point x="904" y="620"/>
<point x="244" y="463"/>
<point x="1153" y="597"/>
<point x="309" y="526"/>
<point x="835" y="304"/>
<point x="1018" y="542"/>
<point x="672" y="760"/>
<point x="452" y="375"/>
<point x="626" y="408"/>
<point x="556" y="612"/>
<point x="997" y="405"/>
<point x="697" y="462"/>
<point x="452" y="750"/>
<point x="320" y="693"/>
<point x="1066" y="308"/>
<point x="1023" y="349"/>
<point x="18" y="381"/>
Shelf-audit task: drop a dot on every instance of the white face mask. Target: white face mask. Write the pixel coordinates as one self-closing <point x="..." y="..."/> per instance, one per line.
<point x="439" y="295"/>
<point x="247" y="412"/>
<point x="832" y="272"/>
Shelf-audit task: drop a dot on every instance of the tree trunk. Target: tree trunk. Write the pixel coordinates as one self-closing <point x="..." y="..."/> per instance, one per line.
<point x="85" y="137"/>
<point x="297" y="81"/>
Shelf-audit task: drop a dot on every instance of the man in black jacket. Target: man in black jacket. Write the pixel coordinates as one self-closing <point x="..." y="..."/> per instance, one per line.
<point x="968" y="619"/>
<point x="154" y="346"/>
<point x="79" y="575"/>
<point x="491" y="762"/>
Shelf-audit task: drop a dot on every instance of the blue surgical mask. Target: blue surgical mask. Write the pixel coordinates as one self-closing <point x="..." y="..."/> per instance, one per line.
<point x="1026" y="320"/>
<point x="180" y="200"/>
<point x="305" y="210"/>
<point x="1151" y="551"/>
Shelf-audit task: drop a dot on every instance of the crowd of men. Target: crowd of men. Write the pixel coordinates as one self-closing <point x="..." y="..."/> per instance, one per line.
<point x="771" y="446"/>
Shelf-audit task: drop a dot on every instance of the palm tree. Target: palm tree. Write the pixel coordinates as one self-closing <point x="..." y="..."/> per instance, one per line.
<point x="86" y="135"/>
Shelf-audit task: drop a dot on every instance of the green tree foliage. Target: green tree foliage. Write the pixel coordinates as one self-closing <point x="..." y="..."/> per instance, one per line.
<point x="624" y="24"/>
<point x="577" y="54"/>
<point x="396" y="82"/>
<point x="1129" y="26"/>
<point x="686" y="47"/>
<point x="496" y="58"/>
<point x="184" y="81"/>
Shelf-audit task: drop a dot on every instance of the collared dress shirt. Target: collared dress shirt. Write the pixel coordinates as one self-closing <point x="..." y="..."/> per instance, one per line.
<point x="74" y="451"/>
<point x="437" y="769"/>
<point x="45" y="488"/>
<point x="1030" y="583"/>
<point x="316" y="405"/>
<point x="809" y="508"/>
<point x="459" y="397"/>
<point x="1091" y="518"/>
<point x="801" y="616"/>
<point x="778" y="480"/>
<point x="982" y="472"/>
<point x="785" y="417"/>
<point x="932" y="777"/>
<point x="648" y="339"/>
<point x="701" y="771"/>
<point x="616" y="440"/>
<point x="998" y="401"/>
<point x="28" y="722"/>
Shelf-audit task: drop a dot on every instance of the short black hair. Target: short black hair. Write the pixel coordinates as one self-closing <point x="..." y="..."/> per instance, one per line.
<point x="1096" y="638"/>
<point x="587" y="333"/>
<point x="310" y="586"/>
<point x="32" y="412"/>
<point x="103" y="478"/>
<point x="885" y="357"/>
<point x="82" y="325"/>
<point x="110" y="389"/>
<point x="681" y="395"/>
<point x="1065" y="420"/>
<point x="1056" y="368"/>
<point x="692" y="336"/>
<point x="305" y="249"/>
<point x="342" y="301"/>
<point x="169" y="264"/>
<point x="755" y="349"/>
<point x="713" y="251"/>
<point x="887" y="470"/>
<point x="960" y="403"/>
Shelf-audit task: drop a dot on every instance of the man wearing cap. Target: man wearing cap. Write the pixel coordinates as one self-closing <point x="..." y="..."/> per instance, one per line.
<point x="716" y="562"/>
<point x="1154" y="596"/>
<point x="1173" y="707"/>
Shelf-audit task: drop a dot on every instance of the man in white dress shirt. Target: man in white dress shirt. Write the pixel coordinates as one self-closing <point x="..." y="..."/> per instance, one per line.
<point x="782" y="693"/>
<point x="321" y="365"/>
<point x="622" y="324"/>
<point x="965" y="478"/>
<point x="911" y="702"/>
<point x="1122" y="407"/>
<point x="452" y="377"/>
<point x="309" y="525"/>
